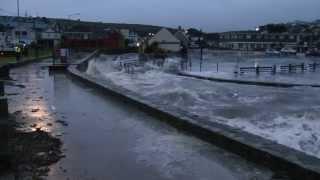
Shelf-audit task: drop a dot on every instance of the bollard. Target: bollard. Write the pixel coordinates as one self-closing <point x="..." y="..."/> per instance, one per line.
<point x="4" y="72"/>
<point x="1" y="88"/>
<point x="5" y="156"/>
<point x="3" y="106"/>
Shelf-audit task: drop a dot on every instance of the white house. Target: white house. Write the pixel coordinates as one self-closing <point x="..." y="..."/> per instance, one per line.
<point x="182" y="37"/>
<point x="50" y="34"/>
<point x="23" y="34"/>
<point x="50" y="37"/>
<point x="166" y="40"/>
<point x="131" y="36"/>
<point x="6" y="41"/>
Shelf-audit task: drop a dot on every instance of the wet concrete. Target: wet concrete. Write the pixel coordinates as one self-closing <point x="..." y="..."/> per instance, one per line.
<point x="107" y="139"/>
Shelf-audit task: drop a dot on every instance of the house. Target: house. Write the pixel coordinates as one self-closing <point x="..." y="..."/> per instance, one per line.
<point x="131" y="36"/>
<point x="166" y="40"/>
<point x="49" y="38"/>
<point x="182" y="37"/>
<point x="6" y="41"/>
<point x="24" y="34"/>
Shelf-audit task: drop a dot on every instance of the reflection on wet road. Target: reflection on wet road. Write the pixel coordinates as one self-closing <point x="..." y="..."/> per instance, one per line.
<point x="107" y="139"/>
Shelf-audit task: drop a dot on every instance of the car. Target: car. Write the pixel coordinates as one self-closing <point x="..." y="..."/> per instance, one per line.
<point x="272" y="52"/>
<point x="288" y="51"/>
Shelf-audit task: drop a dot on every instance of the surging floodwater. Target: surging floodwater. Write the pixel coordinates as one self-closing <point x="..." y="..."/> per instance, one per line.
<point x="288" y="116"/>
<point x="107" y="139"/>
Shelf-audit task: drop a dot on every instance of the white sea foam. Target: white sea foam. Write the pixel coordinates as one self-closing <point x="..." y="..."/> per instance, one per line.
<point x="287" y="116"/>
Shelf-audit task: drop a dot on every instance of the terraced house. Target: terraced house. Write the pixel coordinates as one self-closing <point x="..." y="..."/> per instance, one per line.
<point x="255" y="40"/>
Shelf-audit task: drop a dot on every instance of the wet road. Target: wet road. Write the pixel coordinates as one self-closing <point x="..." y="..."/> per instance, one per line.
<point x="107" y="139"/>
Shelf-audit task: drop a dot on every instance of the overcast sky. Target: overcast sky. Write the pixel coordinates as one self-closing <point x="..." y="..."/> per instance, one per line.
<point x="210" y="15"/>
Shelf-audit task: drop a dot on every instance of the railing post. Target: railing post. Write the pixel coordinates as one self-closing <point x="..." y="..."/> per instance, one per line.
<point x="289" y="68"/>
<point x="257" y="70"/>
<point x="274" y="69"/>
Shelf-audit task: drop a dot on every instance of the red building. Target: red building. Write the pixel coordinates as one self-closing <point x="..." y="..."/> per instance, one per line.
<point x="92" y="38"/>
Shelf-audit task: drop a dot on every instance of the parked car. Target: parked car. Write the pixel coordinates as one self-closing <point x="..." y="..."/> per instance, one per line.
<point x="288" y="51"/>
<point x="272" y="52"/>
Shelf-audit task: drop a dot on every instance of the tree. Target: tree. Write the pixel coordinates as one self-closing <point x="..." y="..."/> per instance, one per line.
<point x="274" y="28"/>
<point x="152" y="48"/>
<point x="194" y="32"/>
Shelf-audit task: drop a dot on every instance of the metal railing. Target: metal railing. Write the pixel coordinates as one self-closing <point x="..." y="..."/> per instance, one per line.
<point x="290" y="68"/>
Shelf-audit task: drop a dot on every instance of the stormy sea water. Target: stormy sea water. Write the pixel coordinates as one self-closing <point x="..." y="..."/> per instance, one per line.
<point x="288" y="116"/>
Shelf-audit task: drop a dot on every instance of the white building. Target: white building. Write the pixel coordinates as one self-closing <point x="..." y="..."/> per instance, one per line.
<point x="6" y="41"/>
<point x="50" y="34"/>
<point x="182" y="37"/>
<point x="131" y="36"/>
<point x="23" y="34"/>
<point x="50" y="37"/>
<point x="166" y="40"/>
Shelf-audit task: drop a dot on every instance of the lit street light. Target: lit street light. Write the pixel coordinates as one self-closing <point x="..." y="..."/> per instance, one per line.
<point x="18" y="7"/>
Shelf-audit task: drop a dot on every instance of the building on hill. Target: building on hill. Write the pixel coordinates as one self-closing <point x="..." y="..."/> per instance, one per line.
<point x="130" y="36"/>
<point x="92" y="38"/>
<point x="255" y="40"/>
<point x="49" y="38"/>
<point x="166" y="40"/>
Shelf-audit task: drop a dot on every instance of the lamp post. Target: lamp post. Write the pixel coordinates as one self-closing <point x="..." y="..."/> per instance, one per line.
<point x="18" y="7"/>
<point x="201" y="48"/>
<point x="74" y="14"/>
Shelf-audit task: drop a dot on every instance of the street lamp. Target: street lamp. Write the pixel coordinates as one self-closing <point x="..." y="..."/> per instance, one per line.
<point x="18" y="7"/>
<point x="74" y="14"/>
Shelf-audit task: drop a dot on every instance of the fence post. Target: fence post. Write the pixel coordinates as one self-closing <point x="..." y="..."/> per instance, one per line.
<point x="289" y="68"/>
<point x="314" y="67"/>
<point x="217" y="67"/>
<point x="257" y="70"/>
<point x="302" y="67"/>
<point x="274" y="69"/>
